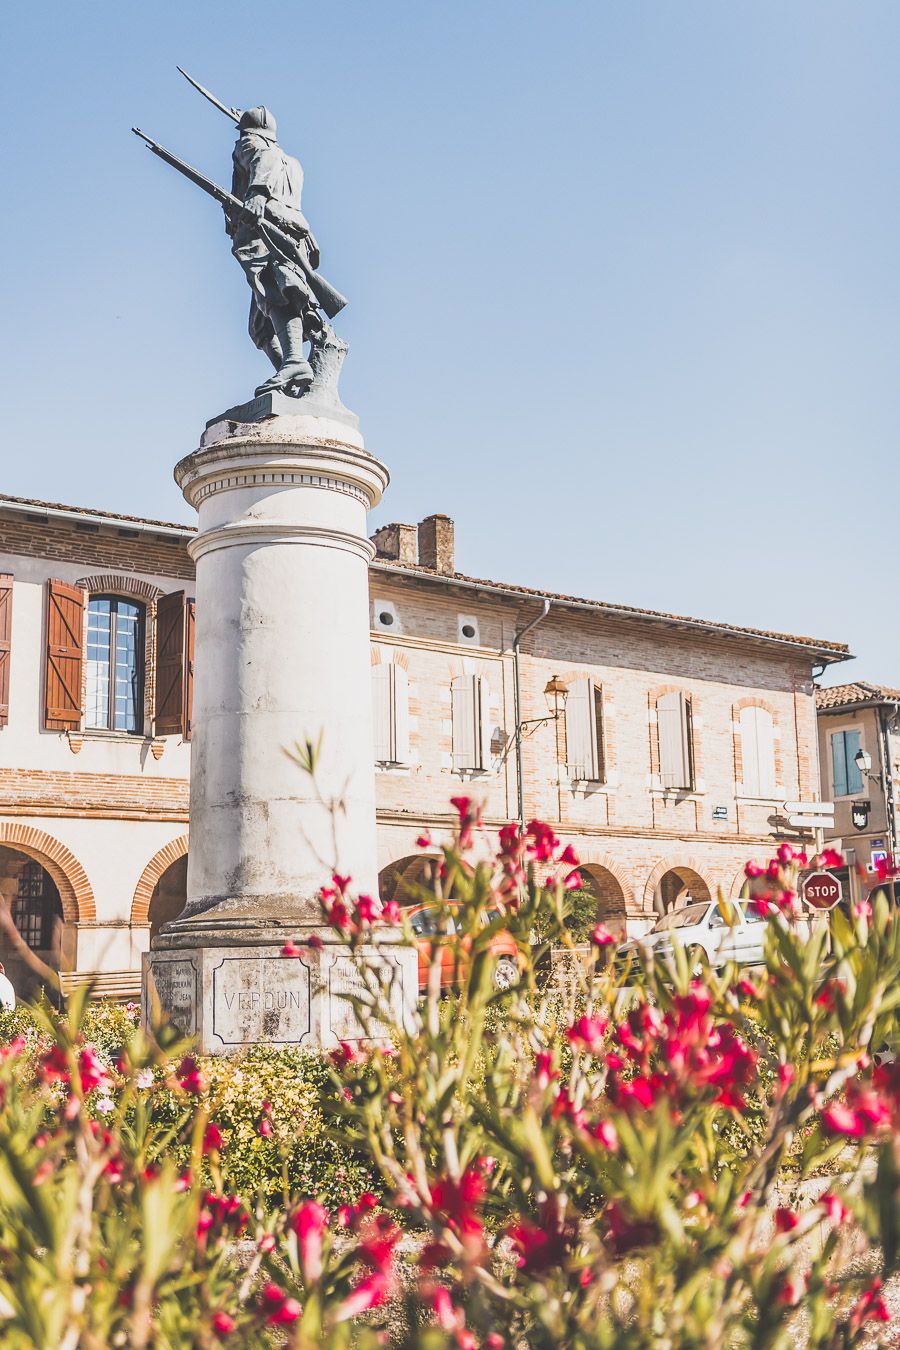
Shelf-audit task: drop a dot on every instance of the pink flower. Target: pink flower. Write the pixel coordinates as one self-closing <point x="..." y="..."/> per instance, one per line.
<point x="573" y="881"/>
<point x="785" y="854"/>
<point x="223" y="1324"/>
<point x="607" y="1134"/>
<point x="105" y="1105"/>
<point x="568" y="856"/>
<point x="862" y="909"/>
<point x="785" y="1220"/>
<point x="424" y="840"/>
<point x="290" y="949"/>
<point x="752" y="870"/>
<point x="835" y="1208"/>
<point x="829" y="857"/>
<point x="886" y="868"/>
<point x="371" y="1292"/>
<point x="280" y="1310"/>
<point x="543" y="1068"/>
<point x="444" y="1312"/>
<point x="391" y="912"/>
<point x="792" y="1290"/>
<point x="869" y="1307"/>
<point x="841" y="1119"/>
<point x="601" y="936"/>
<point x="589" y="1032"/>
<point x="265" y="1127"/>
<point x="368" y="909"/>
<point x="309" y="1224"/>
<point x="541" y="841"/>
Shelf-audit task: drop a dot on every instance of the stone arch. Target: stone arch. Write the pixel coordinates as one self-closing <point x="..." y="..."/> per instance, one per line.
<point x="738" y="882"/>
<point x="605" y="863"/>
<point x="75" y="891"/>
<point x="396" y="878"/>
<point x="115" y="584"/>
<point x="143" y="891"/>
<point x="609" y="888"/>
<point x="688" y="872"/>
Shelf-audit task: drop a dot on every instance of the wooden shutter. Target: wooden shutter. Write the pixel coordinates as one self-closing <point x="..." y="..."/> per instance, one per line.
<point x="673" y="726"/>
<point x="838" y="765"/>
<point x="468" y="750"/>
<point x="582" y="757"/>
<point x="172" y="664"/>
<point x="189" y="620"/>
<point x="852" y="746"/>
<point x="6" y="598"/>
<point x="381" y="712"/>
<point x="65" y="657"/>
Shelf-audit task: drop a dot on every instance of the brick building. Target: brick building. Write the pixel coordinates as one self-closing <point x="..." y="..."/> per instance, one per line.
<point x="661" y="747"/>
<point x="865" y="718"/>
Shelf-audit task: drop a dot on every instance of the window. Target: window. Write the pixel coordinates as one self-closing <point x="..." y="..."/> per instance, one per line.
<point x="390" y="708"/>
<point x="758" y="752"/>
<point x="584" y="731"/>
<point x="36" y="906"/>
<point x="469" y="699"/>
<point x="845" y="775"/>
<point x="114" y="657"/>
<point x="673" y="724"/>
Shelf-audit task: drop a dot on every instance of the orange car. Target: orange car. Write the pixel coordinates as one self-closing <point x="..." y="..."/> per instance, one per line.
<point x="426" y="925"/>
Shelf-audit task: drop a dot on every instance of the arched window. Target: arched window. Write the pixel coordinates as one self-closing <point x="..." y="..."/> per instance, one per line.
<point x="115" y="664"/>
<point x="758" y="752"/>
<point x="36" y="907"/>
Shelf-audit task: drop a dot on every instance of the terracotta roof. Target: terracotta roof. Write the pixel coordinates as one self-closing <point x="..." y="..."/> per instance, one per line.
<point x="828" y="650"/>
<point x="831" y="651"/>
<point x="852" y="695"/>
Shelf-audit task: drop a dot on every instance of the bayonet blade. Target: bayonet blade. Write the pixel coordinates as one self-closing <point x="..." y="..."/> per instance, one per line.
<point x="233" y="113"/>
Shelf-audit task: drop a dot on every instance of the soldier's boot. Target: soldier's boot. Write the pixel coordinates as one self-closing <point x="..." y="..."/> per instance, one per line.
<point x="295" y="374"/>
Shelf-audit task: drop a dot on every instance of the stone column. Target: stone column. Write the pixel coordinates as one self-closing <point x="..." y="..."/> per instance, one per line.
<point x="281" y="656"/>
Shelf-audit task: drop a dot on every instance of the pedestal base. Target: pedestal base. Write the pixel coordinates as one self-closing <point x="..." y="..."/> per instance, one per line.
<point x="243" y="992"/>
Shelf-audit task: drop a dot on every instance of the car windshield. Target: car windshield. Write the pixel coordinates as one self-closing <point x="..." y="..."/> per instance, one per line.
<point x="680" y="918"/>
<point x="428" y="923"/>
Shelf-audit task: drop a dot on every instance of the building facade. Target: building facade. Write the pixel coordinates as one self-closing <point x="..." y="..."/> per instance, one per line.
<point x="859" y="753"/>
<point x="662" y="748"/>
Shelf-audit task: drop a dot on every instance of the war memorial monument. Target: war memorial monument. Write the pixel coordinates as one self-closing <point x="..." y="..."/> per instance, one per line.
<point x="282" y="484"/>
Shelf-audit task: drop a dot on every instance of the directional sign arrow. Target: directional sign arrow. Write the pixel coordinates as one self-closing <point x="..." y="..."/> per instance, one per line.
<point x="810" y="808"/>
<point x="809" y="820"/>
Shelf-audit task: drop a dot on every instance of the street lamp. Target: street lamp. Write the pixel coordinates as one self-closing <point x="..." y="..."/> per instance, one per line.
<point x="556" y="693"/>
<point x="863" y="761"/>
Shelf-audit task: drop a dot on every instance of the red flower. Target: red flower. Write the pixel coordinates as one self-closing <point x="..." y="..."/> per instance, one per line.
<point x="606" y="1132"/>
<point x="189" y="1076"/>
<point x="886" y="868"/>
<point x="540" y="841"/>
<point x="289" y="949"/>
<point x="543" y="1068"/>
<point x="371" y="1292"/>
<point x="792" y="1290"/>
<point x="835" y="1208"/>
<point x="391" y="912"/>
<point x="369" y="910"/>
<point x="785" y="854"/>
<point x="785" y="1220"/>
<point x="265" y="1127"/>
<point x="223" y="1324"/>
<point x="829" y="857"/>
<point x="424" y="840"/>
<point x="279" y="1309"/>
<point x="212" y="1138"/>
<point x="869" y="1307"/>
<point x="841" y="1119"/>
<point x="568" y="856"/>
<point x="752" y="870"/>
<point x="92" y="1071"/>
<point x="601" y="936"/>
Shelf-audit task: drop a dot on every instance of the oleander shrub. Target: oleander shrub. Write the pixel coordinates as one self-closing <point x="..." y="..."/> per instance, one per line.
<point x="647" y="1157"/>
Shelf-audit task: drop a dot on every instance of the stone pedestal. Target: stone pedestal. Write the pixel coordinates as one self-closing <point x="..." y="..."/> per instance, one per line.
<point x="281" y="656"/>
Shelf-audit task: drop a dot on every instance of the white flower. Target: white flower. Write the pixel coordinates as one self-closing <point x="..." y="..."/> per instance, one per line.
<point x="105" y="1105"/>
<point x="144" y="1079"/>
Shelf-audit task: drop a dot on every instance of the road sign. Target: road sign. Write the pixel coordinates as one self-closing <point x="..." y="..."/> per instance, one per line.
<point x="812" y="822"/>
<point x="821" y="890"/>
<point x="809" y="808"/>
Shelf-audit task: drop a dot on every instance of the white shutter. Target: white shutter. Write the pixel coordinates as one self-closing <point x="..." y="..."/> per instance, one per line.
<point x="582" y="759"/>
<point x="758" y="752"/>
<point x="381" y="712"/>
<point x="469" y="716"/>
<point x="400" y="705"/>
<point x="673" y="727"/>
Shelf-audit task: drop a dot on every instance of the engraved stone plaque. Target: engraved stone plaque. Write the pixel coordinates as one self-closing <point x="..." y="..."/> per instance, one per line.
<point x="177" y="988"/>
<point x="346" y="977"/>
<point x="260" y="998"/>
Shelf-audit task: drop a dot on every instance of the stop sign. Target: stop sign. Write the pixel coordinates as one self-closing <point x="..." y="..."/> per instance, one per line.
<point x="821" y="890"/>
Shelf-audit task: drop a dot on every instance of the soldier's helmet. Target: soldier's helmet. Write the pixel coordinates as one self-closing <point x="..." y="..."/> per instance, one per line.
<point x="258" y="122"/>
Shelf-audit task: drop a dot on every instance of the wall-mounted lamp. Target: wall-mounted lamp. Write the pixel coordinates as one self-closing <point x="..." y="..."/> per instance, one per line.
<point x="556" y="693"/>
<point x="863" y="761"/>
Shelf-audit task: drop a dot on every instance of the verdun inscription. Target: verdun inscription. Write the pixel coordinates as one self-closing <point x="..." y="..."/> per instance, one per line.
<point x="260" y="998"/>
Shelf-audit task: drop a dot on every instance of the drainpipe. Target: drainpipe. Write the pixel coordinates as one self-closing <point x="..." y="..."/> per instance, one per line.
<point x="887" y="782"/>
<point x="518" y="709"/>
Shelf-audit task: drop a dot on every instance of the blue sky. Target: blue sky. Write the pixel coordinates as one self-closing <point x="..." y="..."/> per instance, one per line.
<point x="623" y="276"/>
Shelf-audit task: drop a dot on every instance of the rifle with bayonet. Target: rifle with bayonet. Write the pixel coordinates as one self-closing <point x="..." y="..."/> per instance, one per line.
<point x="288" y="228"/>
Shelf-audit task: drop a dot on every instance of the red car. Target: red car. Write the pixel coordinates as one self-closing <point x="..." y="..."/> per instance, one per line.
<point x="426" y="923"/>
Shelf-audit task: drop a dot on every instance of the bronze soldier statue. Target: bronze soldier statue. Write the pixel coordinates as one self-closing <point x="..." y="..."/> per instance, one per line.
<point x="283" y="310"/>
<point x="290" y="302"/>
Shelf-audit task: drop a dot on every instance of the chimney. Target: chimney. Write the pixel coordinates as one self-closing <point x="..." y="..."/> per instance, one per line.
<point x="396" y="543"/>
<point x="436" y="544"/>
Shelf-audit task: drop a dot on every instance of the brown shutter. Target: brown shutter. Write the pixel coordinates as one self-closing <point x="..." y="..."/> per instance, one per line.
<point x="189" y="669"/>
<point x="65" y="656"/>
<point x="171" y="648"/>
<point x="6" y="585"/>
